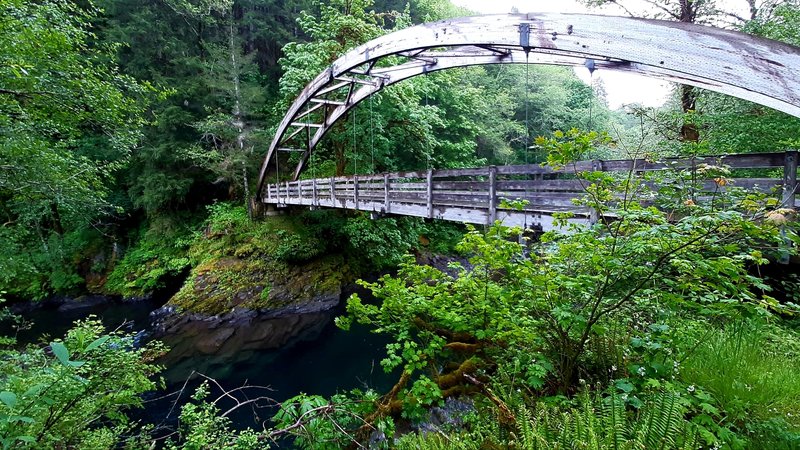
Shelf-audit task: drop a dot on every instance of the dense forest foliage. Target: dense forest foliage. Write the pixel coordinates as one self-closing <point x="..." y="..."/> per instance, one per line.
<point x="131" y="134"/>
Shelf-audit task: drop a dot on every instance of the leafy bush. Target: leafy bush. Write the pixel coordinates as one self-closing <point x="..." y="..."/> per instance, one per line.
<point x="157" y="252"/>
<point x="382" y="243"/>
<point x="75" y="392"/>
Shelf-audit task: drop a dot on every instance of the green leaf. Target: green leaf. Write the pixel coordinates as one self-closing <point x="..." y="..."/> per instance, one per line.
<point x="9" y="398"/>
<point x="33" y="390"/>
<point x="25" y="419"/>
<point x="97" y="343"/>
<point x="61" y="352"/>
<point x="624" y="386"/>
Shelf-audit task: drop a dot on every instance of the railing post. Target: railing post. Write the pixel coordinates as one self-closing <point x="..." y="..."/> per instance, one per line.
<point x="288" y="192"/>
<point x="790" y="179"/>
<point x="492" y="194"/>
<point x="314" y="192"/>
<point x="789" y="188"/>
<point x="355" y="189"/>
<point x="333" y="193"/>
<point x="386" y="193"/>
<point x="430" y="193"/>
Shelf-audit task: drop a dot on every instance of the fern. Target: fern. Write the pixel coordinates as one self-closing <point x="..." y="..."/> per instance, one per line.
<point x="596" y="423"/>
<point x="613" y="414"/>
<point x="600" y="423"/>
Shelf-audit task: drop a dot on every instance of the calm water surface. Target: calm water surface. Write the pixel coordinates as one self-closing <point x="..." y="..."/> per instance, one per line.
<point x="290" y="355"/>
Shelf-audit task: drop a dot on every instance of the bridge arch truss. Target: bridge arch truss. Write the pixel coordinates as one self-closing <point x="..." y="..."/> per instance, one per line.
<point x="733" y="63"/>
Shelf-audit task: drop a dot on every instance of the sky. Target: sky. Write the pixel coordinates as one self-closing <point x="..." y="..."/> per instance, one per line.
<point x="621" y="87"/>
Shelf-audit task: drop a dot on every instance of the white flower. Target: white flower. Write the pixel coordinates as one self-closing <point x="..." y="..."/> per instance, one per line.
<point x="690" y="389"/>
<point x="642" y="371"/>
<point x="624" y="397"/>
<point x="613" y="368"/>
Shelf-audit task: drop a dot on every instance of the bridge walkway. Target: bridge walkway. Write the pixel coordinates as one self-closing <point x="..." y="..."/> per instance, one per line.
<point x="480" y="195"/>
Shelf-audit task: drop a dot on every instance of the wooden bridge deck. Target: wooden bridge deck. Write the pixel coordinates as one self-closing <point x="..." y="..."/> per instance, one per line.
<point x="476" y="195"/>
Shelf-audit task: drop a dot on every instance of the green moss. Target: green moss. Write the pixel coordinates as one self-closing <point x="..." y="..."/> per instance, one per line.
<point x="265" y="264"/>
<point x="219" y="285"/>
<point x="156" y="251"/>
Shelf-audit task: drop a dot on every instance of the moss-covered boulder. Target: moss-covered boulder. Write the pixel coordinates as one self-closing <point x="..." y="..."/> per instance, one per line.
<point x="220" y="285"/>
<point x="276" y="265"/>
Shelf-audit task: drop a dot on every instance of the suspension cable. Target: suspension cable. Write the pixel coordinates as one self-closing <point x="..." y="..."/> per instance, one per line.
<point x="527" y="106"/>
<point x="308" y="142"/>
<point x="527" y="131"/>
<point x="371" y="137"/>
<point x="277" y="176"/>
<point x="428" y="153"/>
<point x="355" y="145"/>
<point x="591" y="99"/>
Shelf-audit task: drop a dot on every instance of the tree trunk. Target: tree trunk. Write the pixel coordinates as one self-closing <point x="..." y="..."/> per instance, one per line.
<point x="238" y="116"/>
<point x="689" y="131"/>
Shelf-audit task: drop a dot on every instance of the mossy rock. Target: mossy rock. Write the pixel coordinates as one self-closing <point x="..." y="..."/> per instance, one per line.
<point x="217" y="286"/>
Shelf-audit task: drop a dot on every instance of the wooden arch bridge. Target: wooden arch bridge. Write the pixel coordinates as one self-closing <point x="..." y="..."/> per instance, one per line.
<point x="755" y="69"/>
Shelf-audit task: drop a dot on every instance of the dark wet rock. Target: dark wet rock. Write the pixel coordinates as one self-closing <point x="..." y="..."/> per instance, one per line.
<point x="140" y="298"/>
<point x="82" y="302"/>
<point x="451" y="415"/>
<point x="442" y="262"/>
<point x="210" y="343"/>
<point x="227" y="341"/>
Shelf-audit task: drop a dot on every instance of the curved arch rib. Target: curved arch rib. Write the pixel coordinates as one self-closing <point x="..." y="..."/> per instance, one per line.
<point x="755" y="69"/>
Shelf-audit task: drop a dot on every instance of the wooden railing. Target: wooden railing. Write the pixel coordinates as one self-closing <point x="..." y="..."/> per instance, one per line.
<point x="475" y="195"/>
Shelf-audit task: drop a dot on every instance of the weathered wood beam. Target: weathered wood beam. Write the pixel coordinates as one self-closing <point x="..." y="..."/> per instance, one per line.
<point x="307" y="124"/>
<point x="326" y="101"/>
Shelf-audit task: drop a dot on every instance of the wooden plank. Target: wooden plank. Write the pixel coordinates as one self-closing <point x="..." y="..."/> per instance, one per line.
<point x="543" y="185"/>
<point x="443" y="173"/>
<point x="404" y="185"/>
<point x="458" y="185"/>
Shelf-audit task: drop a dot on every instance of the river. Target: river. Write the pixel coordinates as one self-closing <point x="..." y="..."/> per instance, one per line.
<point x="290" y="355"/>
